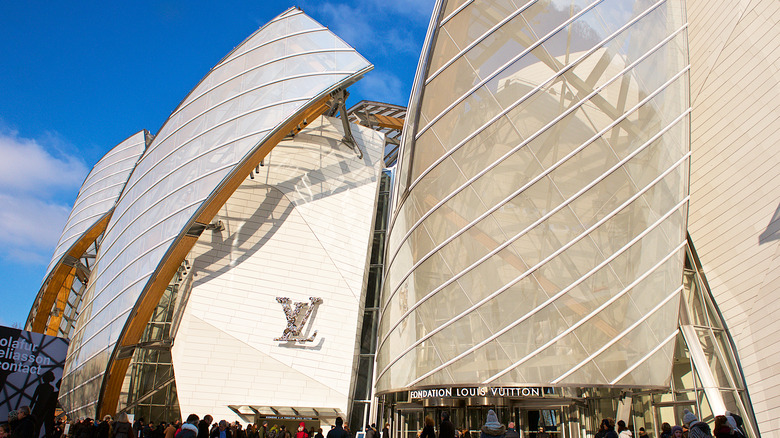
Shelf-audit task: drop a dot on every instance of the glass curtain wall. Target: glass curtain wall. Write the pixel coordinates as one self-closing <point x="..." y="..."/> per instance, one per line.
<point x="706" y="377"/>
<point x="69" y="310"/>
<point x="151" y="386"/>
<point x="362" y="394"/>
<point x="539" y="233"/>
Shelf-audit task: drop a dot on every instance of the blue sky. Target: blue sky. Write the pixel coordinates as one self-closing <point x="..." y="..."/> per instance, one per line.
<point x="76" y="78"/>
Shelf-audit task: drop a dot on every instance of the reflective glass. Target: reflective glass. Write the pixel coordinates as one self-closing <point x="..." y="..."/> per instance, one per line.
<point x="557" y="135"/>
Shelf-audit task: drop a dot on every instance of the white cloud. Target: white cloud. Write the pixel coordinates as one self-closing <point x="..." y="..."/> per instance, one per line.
<point x="377" y="25"/>
<point x="28" y="167"/>
<point x="349" y="23"/>
<point x="30" y="222"/>
<point x="38" y="183"/>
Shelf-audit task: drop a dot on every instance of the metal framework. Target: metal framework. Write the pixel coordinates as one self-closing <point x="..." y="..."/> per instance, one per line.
<point x="385" y="118"/>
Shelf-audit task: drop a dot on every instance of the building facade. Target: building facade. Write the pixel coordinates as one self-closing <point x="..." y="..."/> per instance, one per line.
<point x="539" y="261"/>
<point x="565" y="233"/>
<point x="237" y="238"/>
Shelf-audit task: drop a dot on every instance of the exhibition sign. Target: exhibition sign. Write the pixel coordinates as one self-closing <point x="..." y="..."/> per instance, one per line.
<point x="30" y="373"/>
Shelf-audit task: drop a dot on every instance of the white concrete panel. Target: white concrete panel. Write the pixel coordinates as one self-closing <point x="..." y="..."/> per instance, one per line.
<point x="735" y="180"/>
<point x="301" y="228"/>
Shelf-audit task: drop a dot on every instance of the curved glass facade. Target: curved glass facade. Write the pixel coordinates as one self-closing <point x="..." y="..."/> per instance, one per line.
<point x="279" y="71"/>
<point x="57" y="303"/>
<point x="100" y="191"/>
<point x="539" y="233"/>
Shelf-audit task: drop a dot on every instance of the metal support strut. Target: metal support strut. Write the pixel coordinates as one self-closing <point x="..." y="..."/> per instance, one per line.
<point x="338" y="104"/>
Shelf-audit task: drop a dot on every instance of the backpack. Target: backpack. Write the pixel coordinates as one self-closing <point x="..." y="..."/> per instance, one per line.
<point x="699" y="429"/>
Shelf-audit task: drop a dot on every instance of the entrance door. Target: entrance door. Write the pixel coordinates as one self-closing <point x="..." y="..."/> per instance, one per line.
<point x="534" y="420"/>
<point x="409" y="423"/>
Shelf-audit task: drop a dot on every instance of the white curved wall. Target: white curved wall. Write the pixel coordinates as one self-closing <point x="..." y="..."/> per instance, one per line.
<point x="286" y="65"/>
<point x="735" y="181"/>
<point x="301" y="228"/>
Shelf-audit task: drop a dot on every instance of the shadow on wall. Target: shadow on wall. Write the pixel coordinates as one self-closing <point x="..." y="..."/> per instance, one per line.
<point x="242" y="247"/>
<point x="772" y="231"/>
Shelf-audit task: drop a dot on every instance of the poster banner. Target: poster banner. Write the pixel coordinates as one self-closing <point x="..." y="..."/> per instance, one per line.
<point x="30" y="373"/>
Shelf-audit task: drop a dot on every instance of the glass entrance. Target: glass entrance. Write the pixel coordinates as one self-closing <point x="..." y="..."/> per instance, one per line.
<point x="533" y="421"/>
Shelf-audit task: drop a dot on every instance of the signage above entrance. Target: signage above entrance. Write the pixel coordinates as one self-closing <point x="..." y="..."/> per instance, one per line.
<point x="473" y="391"/>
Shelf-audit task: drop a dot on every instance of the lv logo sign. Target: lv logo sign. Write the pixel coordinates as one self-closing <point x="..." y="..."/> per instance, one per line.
<point x="295" y="321"/>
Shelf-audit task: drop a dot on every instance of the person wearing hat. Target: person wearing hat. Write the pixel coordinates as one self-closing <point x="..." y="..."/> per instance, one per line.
<point x="301" y="431"/>
<point x="736" y="423"/>
<point x="696" y="428"/>
<point x="492" y="428"/>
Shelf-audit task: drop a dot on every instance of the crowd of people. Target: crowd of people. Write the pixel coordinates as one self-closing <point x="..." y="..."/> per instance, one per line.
<point x="193" y="427"/>
<point x="21" y="424"/>
<point x="491" y="429"/>
<point x="726" y="426"/>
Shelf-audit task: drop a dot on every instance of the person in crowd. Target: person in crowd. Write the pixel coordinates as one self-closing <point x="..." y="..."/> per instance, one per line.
<point x="104" y="427"/>
<point x="677" y="432"/>
<point x="319" y="433"/>
<point x="736" y="423"/>
<point x="263" y="431"/>
<point x="722" y="428"/>
<point x="222" y="430"/>
<point x="666" y="431"/>
<point x="511" y="432"/>
<point x="338" y="430"/>
<point x="239" y="431"/>
<point x="370" y="433"/>
<point x="204" y="426"/>
<point x="5" y="431"/>
<point x="170" y="431"/>
<point x="74" y="428"/>
<point x="446" y="428"/>
<point x="160" y="431"/>
<point x="87" y="429"/>
<point x="492" y="428"/>
<point x="386" y="431"/>
<point x="190" y="428"/>
<point x="696" y="428"/>
<point x="25" y="424"/>
<point x="148" y="430"/>
<point x="301" y="433"/>
<point x="606" y="429"/>
<point x="542" y="434"/>
<point x="428" y="430"/>
<point x="121" y="427"/>
<point x="138" y="426"/>
<point x="642" y="433"/>
<point x="623" y="430"/>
